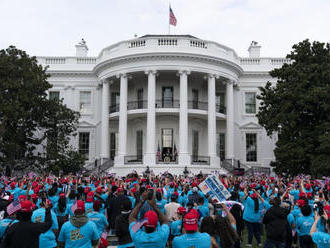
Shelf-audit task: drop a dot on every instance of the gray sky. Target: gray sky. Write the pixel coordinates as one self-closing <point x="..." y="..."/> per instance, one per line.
<point x="53" y="27"/>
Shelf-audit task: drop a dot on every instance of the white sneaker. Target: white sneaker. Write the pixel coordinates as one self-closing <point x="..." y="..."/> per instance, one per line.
<point x="248" y="245"/>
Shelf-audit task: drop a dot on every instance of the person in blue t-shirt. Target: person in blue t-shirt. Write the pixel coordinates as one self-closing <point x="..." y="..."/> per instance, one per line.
<point x="304" y="224"/>
<point x="61" y="209"/>
<point x="160" y="201"/>
<point x="203" y="210"/>
<point x="6" y="222"/>
<point x="148" y="233"/>
<point x="252" y="214"/>
<point x="79" y="232"/>
<point x="321" y="239"/>
<point x="98" y="218"/>
<point x="47" y="239"/>
<point x="192" y="238"/>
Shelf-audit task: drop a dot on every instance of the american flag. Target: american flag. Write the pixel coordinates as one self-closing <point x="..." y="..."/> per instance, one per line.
<point x="172" y="18"/>
<point x="74" y="207"/>
<point x="13" y="207"/>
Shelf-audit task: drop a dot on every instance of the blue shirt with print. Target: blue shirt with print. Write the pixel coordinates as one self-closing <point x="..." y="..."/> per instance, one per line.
<point x="48" y="238"/>
<point x="175" y="227"/>
<point x="80" y="237"/>
<point x="99" y="220"/>
<point x="196" y="240"/>
<point x="321" y="239"/>
<point x="304" y="224"/>
<point x="4" y="224"/>
<point x="158" y="238"/>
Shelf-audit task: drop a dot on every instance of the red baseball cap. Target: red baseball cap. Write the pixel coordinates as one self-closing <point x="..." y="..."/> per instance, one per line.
<point x="302" y="194"/>
<point x="99" y="190"/>
<point x="301" y="203"/>
<point x="26" y="206"/>
<point x="34" y="196"/>
<point x="182" y="210"/>
<point x="152" y="219"/>
<point x="79" y="206"/>
<point x="120" y="189"/>
<point x="62" y="195"/>
<point x="327" y="210"/>
<point x="90" y="197"/>
<point x="190" y="221"/>
<point x="12" y="185"/>
<point x="87" y="189"/>
<point x="22" y="198"/>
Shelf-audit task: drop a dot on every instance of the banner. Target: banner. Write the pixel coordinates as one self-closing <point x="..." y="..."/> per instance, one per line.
<point x="214" y="188"/>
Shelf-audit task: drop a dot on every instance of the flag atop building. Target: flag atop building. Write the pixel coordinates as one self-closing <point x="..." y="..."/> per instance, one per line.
<point x="173" y="20"/>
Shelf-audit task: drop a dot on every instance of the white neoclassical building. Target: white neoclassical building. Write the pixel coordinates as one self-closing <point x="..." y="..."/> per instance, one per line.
<point x="167" y="102"/>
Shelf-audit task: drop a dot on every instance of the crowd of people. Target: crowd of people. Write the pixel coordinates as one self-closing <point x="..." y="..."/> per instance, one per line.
<point x="163" y="211"/>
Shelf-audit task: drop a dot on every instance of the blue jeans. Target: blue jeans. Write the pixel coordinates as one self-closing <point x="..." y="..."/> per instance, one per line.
<point x="253" y="230"/>
<point x="271" y="243"/>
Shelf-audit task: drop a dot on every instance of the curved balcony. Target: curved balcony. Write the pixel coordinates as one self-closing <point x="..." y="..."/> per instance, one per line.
<point x="166" y="103"/>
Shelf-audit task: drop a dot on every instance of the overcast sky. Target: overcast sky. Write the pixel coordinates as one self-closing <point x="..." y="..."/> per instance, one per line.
<point x="53" y="27"/>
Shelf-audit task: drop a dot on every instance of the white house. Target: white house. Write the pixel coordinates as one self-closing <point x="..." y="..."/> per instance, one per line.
<point x="167" y="102"/>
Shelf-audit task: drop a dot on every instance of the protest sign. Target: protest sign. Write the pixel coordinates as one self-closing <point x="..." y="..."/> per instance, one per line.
<point x="214" y="188"/>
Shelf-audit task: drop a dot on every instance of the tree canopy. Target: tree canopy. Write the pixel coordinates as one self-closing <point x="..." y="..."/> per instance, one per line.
<point x="30" y="120"/>
<point x="297" y="109"/>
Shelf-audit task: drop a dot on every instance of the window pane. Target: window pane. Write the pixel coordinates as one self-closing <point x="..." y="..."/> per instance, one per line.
<point x="54" y="95"/>
<point x="220" y="102"/>
<point x="167" y="137"/>
<point x="85" y="102"/>
<point x="250" y="103"/>
<point x="84" y="144"/>
<point x="251" y="147"/>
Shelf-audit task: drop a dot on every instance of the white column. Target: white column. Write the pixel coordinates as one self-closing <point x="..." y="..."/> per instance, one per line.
<point x="122" y="136"/>
<point x="150" y="154"/>
<point x="211" y="124"/>
<point x="184" y="158"/>
<point x="229" y="120"/>
<point x="105" y="121"/>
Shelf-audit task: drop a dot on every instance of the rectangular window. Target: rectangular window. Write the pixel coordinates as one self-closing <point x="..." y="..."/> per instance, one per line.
<point x="250" y="103"/>
<point x="167" y="137"/>
<point x="195" y="99"/>
<point x="140" y="98"/>
<point x="54" y="95"/>
<point x="167" y="97"/>
<point x="139" y="144"/>
<point x="195" y="144"/>
<point x="220" y="102"/>
<point x="84" y="144"/>
<point x="113" y="145"/>
<point x="85" y="102"/>
<point x="251" y="147"/>
<point x="115" y="100"/>
<point x="221" y="146"/>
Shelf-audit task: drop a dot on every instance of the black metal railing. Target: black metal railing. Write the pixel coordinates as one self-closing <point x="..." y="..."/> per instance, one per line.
<point x="141" y="104"/>
<point x="167" y="103"/>
<point x="196" y="159"/>
<point x="197" y="105"/>
<point x="133" y="159"/>
<point x="166" y="160"/>
<point x="220" y="108"/>
<point x="264" y="170"/>
<point x="114" y="108"/>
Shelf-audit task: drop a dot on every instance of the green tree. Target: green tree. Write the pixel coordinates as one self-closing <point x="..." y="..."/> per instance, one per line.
<point x="29" y="120"/>
<point x="59" y="125"/>
<point x="23" y="86"/>
<point x="297" y="109"/>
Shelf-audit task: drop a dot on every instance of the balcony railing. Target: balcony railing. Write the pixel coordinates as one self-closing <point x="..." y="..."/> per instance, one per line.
<point x="196" y="159"/>
<point x="197" y="105"/>
<point x="165" y="103"/>
<point x="142" y="104"/>
<point x="114" y="108"/>
<point x="167" y="160"/>
<point x="220" y="108"/>
<point x="133" y="159"/>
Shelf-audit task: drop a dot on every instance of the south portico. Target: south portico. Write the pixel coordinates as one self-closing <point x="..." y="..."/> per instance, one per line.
<point x="184" y="109"/>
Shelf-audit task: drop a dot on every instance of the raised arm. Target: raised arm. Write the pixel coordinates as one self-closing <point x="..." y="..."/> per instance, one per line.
<point x="231" y="218"/>
<point x="136" y="210"/>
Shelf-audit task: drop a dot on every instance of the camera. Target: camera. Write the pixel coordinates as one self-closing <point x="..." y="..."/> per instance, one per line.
<point x="319" y="207"/>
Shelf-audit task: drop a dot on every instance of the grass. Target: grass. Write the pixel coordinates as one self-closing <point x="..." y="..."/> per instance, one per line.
<point x="254" y="241"/>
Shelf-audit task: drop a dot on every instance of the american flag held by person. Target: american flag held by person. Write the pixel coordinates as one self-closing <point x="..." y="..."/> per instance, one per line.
<point x="13" y="207"/>
<point x="173" y="20"/>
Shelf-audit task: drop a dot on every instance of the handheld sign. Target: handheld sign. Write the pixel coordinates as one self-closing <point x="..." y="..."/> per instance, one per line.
<point x="214" y="188"/>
